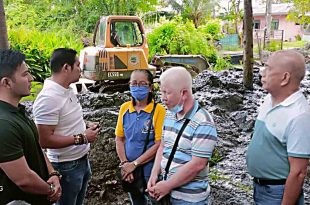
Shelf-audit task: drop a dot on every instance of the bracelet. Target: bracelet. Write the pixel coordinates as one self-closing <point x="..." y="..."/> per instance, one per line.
<point x="55" y="173"/>
<point x="122" y="163"/>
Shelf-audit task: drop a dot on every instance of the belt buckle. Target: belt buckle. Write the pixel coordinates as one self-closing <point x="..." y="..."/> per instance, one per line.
<point x="257" y="181"/>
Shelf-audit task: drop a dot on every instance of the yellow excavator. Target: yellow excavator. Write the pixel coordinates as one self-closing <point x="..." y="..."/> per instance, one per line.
<point x="119" y="47"/>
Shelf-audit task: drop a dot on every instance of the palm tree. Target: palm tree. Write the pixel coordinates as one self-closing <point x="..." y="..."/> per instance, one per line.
<point x="4" y="43"/>
<point x="196" y="10"/>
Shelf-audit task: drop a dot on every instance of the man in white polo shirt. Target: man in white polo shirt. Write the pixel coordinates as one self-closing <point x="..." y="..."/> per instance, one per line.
<point x="59" y="118"/>
<point x="279" y="152"/>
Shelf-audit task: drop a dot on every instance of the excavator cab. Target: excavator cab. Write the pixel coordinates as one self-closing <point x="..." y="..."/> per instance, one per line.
<point x="119" y="47"/>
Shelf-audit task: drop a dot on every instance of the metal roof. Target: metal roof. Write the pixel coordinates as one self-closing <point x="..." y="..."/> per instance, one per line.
<point x="277" y="9"/>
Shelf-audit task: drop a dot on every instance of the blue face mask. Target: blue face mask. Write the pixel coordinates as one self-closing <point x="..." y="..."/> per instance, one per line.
<point x="139" y="93"/>
<point x="176" y="109"/>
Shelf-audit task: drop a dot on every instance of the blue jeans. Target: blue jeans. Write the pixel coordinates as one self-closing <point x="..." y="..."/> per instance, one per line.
<point x="139" y="200"/>
<point x="182" y="202"/>
<point x="75" y="177"/>
<point x="271" y="195"/>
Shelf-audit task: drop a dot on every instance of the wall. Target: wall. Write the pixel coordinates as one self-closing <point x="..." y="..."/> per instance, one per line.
<point x="289" y="27"/>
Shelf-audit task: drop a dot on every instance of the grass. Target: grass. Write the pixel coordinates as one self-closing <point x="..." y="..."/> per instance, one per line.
<point x="36" y="87"/>
<point x="294" y="44"/>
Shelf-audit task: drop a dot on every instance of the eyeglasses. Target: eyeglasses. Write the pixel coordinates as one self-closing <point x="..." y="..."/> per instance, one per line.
<point x="139" y="84"/>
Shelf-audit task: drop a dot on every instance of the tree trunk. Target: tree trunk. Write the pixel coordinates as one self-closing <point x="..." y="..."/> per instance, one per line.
<point x="4" y="43"/>
<point x="248" y="45"/>
<point x="268" y="21"/>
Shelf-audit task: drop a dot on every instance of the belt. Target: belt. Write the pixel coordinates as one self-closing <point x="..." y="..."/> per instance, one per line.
<point x="269" y="181"/>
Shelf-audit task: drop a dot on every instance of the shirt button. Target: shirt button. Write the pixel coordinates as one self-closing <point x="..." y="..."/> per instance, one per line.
<point x="137" y="118"/>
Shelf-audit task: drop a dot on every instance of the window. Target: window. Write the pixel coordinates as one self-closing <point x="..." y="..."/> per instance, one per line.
<point x="125" y="33"/>
<point x="275" y="24"/>
<point x="100" y="34"/>
<point x="256" y="24"/>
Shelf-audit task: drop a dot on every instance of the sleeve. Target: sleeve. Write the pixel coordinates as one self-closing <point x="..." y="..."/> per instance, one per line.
<point x="119" y="130"/>
<point x="46" y="110"/>
<point x="158" y="120"/>
<point x="11" y="142"/>
<point x="298" y="137"/>
<point x="204" y="140"/>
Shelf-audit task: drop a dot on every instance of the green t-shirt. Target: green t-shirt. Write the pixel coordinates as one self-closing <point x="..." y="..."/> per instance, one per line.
<point x="19" y="137"/>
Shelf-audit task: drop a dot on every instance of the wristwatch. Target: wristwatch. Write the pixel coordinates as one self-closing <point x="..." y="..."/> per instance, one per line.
<point x="136" y="163"/>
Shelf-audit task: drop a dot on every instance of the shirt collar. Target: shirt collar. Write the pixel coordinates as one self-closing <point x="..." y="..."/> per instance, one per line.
<point x="7" y="106"/>
<point x="292" y="98"/>
<point x="190" y="114"/>
<point x="288" y="101"/>
<point x="147" y="109"/>
<point x="55" y="86"/>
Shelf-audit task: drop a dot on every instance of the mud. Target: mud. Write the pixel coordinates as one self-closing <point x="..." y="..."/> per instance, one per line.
<point x="234" y="110"/>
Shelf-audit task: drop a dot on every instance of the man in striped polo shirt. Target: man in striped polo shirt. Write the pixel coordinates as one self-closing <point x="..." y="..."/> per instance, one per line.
<point x="187" y="180"/>
<point x="279" y="152"/>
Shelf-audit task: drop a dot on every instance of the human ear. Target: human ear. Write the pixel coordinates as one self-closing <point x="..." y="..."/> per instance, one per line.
<point x="6" y="82"/>
<point x="286" y="78"/>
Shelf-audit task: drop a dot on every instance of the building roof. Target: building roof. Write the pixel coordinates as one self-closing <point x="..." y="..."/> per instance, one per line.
<point x="276" y="9"/>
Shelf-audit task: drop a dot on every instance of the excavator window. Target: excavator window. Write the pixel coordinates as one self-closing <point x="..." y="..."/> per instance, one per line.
<point x="125" y="33"/>
<point x="100" y="35"/>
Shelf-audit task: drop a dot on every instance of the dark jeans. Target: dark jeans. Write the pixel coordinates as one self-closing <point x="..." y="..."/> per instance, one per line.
<point x="75" y="177"/>
<point x="271" y="195"/>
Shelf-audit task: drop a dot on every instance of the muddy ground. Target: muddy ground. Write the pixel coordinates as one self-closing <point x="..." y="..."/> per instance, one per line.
<point x="234" y="110"/>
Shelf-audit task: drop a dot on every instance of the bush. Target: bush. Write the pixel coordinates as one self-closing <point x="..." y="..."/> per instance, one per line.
<point x="177" y="37"/>
<point x="38" y="47"/>
<point x="274" y="45"/>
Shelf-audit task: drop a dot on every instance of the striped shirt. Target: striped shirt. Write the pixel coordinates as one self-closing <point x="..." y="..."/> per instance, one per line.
<point x="198" y="139"/>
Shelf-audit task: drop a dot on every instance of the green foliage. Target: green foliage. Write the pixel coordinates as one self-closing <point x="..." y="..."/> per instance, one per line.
<point x="274" y="45"/>
<point x="222" y="64"/>
<point x="212" y="29"/>
<point x="177" y="37"/>
<point x="71" y="15"/>
<point x="38" y="47"/>
<point x="300" y="11"/>
<point x="36" y="87"/>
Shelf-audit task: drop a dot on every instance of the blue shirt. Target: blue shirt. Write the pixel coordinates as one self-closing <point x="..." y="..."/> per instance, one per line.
<point x="134" y="127"/>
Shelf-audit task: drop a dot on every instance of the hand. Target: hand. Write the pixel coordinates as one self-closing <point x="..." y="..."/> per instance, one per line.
<point x="92" y="133"/>
<point x="161" y="189"/>
<point x="129" y="178"/>
<point x="128" y="167"/>
<point x="55" y="196"/>
<point x="150" y="185"/>
<point x="93" y="125"/>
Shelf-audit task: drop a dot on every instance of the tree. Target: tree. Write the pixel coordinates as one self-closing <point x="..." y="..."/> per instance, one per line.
<point x="248" y="45"/>
<point x="300" y="11"/>
<point x="196" y="10"/>
<point x="268" y="21"/>
<point x="4" y="43"/>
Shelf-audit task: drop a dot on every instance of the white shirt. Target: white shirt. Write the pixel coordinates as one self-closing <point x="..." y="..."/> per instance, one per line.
<point x="56" y="105"/>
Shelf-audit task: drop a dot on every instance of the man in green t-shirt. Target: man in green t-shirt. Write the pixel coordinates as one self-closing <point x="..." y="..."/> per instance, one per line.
<point x="25" y="172"/>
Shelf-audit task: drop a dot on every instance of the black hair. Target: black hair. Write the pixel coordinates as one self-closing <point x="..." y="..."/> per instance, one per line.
<point x="10" y="60"/>
<point x="60" y="57"/>
<point x="150" y="78"/>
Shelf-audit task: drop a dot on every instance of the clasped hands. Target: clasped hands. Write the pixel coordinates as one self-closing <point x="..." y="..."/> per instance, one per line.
<point x="56" y="194"/>
<point x="157" y="190"/>
<point x="126" y="171"/>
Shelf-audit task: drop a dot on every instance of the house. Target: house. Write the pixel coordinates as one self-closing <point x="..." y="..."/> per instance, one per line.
<point x="279" y="13"/>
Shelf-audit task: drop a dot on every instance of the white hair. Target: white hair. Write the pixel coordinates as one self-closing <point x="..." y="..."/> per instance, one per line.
<point x="178" y="78"/>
